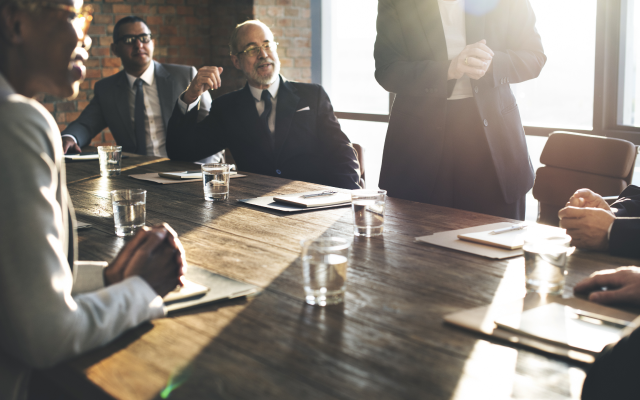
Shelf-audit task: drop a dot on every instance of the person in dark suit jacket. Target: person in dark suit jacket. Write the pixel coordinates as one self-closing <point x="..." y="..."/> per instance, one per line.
<point x="272" y="126"/>
<point x="455" y="137"/>
<point x="593" y="224"/>
<point x="113" y="104"/>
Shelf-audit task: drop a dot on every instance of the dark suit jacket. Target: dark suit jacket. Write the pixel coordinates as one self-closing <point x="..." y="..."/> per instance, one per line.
<point x="411" y="61"/>
<point x="309" y="145"/>
<point x="110" y="105"/>
<point x="625" y="233"/>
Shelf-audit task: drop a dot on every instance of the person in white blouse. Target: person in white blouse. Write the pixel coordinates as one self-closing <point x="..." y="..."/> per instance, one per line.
<point x="455" y="137"/>
<point x="51" y="306"/>
<point x="136" y="103"/>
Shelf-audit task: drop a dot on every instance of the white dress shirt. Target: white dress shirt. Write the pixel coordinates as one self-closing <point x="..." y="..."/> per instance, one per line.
<point x="455" y="33"/>
<point x="156" y="135"/>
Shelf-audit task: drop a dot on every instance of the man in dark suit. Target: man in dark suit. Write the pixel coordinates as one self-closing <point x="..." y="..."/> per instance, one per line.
<point x="136" y="103"/>
<point x="272" y="126"/>
<point x="455" y="137"/>
<point x="593" y="224"/>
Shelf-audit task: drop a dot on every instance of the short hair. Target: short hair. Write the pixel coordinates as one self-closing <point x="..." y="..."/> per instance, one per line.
<point x="233" y="41"/>
<point x="126" y="20"/>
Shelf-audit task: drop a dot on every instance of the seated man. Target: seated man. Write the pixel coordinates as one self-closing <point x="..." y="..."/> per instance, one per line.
<point x="48" y="312"/>
<point x="272" y="126"/>
<point x="614" y="375"/>
<point x="593" y="224"/>
<point x="136" y="103"/>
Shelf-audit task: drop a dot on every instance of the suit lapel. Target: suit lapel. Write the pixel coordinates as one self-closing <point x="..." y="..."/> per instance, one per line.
<point x="285" y="109"/>
<point x="121" y="99"/>
<point x="429" y="14"/>
<point x="474" y="20"/>
<point x="165" y="91"/>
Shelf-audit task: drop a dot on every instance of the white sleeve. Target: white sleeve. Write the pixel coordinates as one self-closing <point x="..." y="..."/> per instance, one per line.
<point x="185" y="108"/>
<point x="41" y="323"/>
<point x="72" y="137"/>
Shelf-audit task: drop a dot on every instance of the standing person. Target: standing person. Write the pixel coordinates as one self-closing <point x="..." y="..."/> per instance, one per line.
<point x="136" y="103"/>
<point x="52" y="307"/>
<point x="272" y="126"/>
<point x="455" y="137"/>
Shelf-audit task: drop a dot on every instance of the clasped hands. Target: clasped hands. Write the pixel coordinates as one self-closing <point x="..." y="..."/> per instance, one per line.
<point x="474" y="61"/>
<point x="155" y="254"/>
<point x="587" y="218"/>
<point x="207" y="78"/>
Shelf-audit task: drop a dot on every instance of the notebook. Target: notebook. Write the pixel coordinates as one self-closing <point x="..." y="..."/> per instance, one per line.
<point x="300" y="200"/>
<point x="565" y="326"/>
<point x="186" y="174"/>
<point x="189" y="289"/>
<point x="510" y="240"/>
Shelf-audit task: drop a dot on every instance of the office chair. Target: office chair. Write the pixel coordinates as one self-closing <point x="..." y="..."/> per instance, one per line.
<point x="574" y="161"/>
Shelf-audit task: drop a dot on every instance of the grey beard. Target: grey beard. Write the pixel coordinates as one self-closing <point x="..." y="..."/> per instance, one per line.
<point x="267" y="80"/>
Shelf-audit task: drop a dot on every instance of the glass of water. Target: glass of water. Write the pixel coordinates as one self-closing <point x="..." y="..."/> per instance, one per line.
<point x="129" y="210"/>
<point x="545" y="259"/>
<point x="110" y="157"/>
<point x="215" y="181"/>
<point x="368" y="212"/>
<point x="324" y="269"/>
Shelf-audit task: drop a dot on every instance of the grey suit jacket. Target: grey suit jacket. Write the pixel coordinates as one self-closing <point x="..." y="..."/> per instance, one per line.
<point x="110" y="105"/>
<point x="43" y="317"/>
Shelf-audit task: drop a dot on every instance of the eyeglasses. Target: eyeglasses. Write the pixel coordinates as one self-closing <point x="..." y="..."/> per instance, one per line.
<point x="255" y="50"/>
<point x="80" y="18"/>
<point x="130" y="39"/>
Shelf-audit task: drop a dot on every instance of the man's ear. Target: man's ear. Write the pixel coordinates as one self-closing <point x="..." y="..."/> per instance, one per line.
<point x="235" y="61"/>
<point x="114" y="50"/>
<point x="11" y="24"/>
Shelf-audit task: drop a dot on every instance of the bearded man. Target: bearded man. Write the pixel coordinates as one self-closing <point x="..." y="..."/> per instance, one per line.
<point x="272" y="126"/>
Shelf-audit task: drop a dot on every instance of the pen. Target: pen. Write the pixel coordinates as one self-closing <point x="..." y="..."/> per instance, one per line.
<point x="325" y="193"/>
<point x="599" y="319"/>
<point x="509" y="229"/>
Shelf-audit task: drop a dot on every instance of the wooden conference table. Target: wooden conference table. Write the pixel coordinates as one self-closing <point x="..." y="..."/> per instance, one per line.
<point x="388" y="340"/>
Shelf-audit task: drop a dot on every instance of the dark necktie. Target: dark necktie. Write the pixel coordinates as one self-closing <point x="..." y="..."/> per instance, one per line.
<point x="266" y="97"/>
<point x="138" y="121"/>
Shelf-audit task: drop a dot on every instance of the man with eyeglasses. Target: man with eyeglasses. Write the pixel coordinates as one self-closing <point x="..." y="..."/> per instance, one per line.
<point x="136" y="103"/>
<point x="272" y="126"/>
<point x="51" y="306"/>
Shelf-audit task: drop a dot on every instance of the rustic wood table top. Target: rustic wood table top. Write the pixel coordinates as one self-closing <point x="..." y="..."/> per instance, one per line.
<point x="387" y="341"/>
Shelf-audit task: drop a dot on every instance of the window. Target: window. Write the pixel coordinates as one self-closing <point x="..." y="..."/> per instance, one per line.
<point x="629" y="81"/>
<point x="562" y="96"/>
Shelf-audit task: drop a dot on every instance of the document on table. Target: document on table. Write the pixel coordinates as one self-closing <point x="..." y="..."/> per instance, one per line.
<point x="270" y="203"/>
<point x="154" y="177"/>
<point x="451" y="240"/>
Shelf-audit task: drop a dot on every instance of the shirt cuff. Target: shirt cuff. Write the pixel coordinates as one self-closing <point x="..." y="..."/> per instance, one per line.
<point x="72" y="137"/>
<point x="88" y="276"/>
<point x="609" y="231"/>
<point x="186" y="108"/>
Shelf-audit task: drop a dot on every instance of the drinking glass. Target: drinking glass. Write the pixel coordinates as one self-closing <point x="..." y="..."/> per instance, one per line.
<point x="324" y="269"/>
<point x="129" y="210"/>
<point x="110" y="157"/>
<point x="545" y="259"/>
<point x="368" y="212"/>
<point x="215" y="181"/>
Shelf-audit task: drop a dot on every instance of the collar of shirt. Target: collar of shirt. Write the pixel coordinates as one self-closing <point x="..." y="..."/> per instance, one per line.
<point x="273" y="89"/>
<point x="147" y="76"/>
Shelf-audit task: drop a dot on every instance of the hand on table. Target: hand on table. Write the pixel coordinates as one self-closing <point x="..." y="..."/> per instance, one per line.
<point x="585" y="198"/>
<point x="155" y="254"/>
<point x="70" y="144"/>
<point x="622" y="286"/>
<point x="206" y="79"/>
<point x="474" y="61"/>
<point x="588" y="227"/>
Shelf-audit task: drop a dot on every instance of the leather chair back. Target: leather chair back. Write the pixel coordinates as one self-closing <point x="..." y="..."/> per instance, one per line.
<point x="574" y="161"/>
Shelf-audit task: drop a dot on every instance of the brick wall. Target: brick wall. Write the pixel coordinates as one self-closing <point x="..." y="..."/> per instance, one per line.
<point x="192" y="32"/>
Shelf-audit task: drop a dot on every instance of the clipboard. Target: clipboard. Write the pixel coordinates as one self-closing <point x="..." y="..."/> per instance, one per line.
<point x="482" y="320"/>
